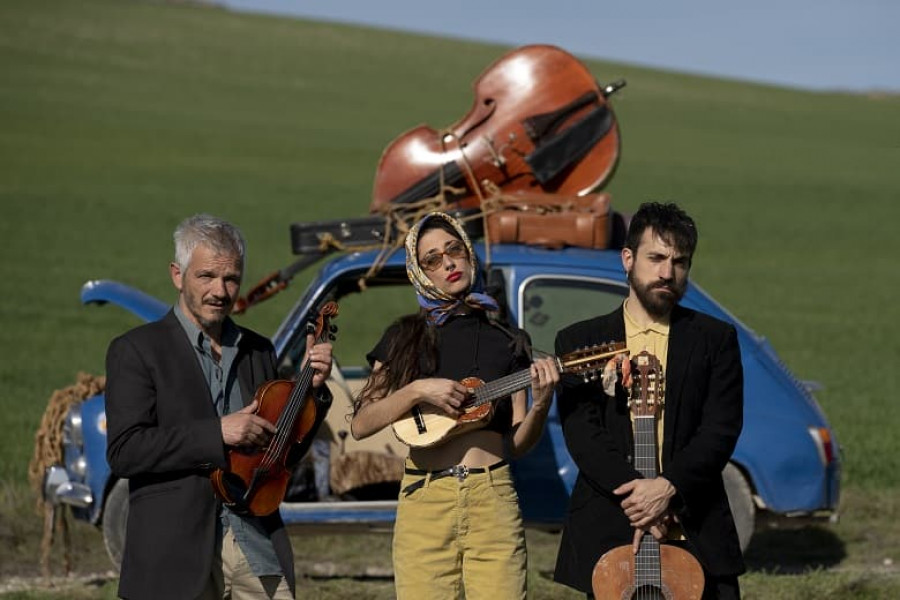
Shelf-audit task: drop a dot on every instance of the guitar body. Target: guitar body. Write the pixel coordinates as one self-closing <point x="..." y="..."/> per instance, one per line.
<point x="427" y="425"/>
<point x="267" y="484"/>
<point x="614" y="576"/>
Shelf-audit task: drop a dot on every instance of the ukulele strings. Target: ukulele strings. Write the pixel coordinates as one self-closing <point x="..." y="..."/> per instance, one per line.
<point x="517" y="381"/>
<point x="501" y="387"/>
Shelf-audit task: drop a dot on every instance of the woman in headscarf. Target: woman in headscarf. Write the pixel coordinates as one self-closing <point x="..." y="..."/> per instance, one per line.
<point x="458" y="524"/>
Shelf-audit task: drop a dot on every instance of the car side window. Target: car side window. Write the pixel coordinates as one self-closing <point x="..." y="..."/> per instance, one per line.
<point x="361" y="320"/>
<point x="552" y="303"/>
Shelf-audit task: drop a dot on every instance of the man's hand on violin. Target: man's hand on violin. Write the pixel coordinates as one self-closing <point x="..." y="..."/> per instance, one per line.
<point x="446" y="394"/>
<point x="544" y="377"/>
<point x="244" y="428"/>
<point x="319" y="357"/>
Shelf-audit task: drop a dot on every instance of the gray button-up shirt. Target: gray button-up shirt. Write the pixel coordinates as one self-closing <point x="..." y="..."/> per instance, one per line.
<point x="225" y="392"/>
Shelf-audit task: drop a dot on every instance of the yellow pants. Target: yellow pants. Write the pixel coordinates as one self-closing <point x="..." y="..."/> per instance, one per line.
<point x="460" y="537"/>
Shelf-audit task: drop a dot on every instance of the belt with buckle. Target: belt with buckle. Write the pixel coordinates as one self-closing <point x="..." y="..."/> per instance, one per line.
<point x="458" y="471"/>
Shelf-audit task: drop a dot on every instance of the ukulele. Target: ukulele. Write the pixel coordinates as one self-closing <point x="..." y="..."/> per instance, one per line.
<point x="657" y="571"/>
<point x="256" y="479"/>
<point x="427" y="425"/>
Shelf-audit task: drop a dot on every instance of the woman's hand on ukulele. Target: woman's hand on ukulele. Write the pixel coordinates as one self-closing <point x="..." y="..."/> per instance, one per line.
<point x="244" y="428"/>
<point x="446" y="394"/>
<point x="544" y="377"/>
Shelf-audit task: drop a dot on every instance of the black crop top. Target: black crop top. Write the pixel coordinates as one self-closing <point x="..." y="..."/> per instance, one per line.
<point x="469" y="346"/>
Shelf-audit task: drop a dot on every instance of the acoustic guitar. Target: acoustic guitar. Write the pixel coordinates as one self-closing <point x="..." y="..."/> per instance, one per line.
<point x="657" y="571"/>
<point x="427" y="425"/>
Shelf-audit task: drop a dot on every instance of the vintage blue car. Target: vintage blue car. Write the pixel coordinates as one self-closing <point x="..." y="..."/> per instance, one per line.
<point x="786" y="466"/>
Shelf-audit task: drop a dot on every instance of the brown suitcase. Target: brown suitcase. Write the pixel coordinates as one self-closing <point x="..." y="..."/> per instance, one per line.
<point x="551" y="220"/>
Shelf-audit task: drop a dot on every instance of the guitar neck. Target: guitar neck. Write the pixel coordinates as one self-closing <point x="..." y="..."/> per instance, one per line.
<point x="647" y="569"/>
<point x="647" y="565"/>
<point x="645" y="448"/>
<point x="580" y="362"/>
<point x="500" y="388"/>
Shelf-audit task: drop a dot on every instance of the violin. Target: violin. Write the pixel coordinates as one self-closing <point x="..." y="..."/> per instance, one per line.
<point x="540" y="122"/>
<point x="256" y="479"/>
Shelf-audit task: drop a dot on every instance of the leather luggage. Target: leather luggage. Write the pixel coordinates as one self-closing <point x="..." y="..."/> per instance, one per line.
<point x="552" y="220"/>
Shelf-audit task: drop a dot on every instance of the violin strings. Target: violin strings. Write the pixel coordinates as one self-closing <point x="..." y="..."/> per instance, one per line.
<point x="282" y="429"/>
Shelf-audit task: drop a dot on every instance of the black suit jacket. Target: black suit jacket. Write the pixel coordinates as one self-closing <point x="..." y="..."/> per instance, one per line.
<point x="702" y="421"/>
<point x="164" y="435"/>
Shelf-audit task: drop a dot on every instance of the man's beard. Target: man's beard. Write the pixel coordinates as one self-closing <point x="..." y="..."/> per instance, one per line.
<point x="656" y="305"/>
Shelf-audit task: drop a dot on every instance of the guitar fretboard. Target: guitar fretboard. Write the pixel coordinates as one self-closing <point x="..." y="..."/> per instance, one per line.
<point x="579" y="362"/>
<point x="647" y="571"/>
<point x="501" y="387"/>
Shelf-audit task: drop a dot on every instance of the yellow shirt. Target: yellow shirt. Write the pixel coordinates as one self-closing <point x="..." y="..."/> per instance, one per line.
<point x="654" y="338"/>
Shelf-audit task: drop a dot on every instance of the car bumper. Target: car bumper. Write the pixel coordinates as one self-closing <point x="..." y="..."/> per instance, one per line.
<point x="59" y="489"/>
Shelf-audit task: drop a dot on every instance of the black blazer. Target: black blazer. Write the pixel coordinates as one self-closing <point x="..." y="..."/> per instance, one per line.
<point x="164" y="435"/>
<point x="703" y="418"/>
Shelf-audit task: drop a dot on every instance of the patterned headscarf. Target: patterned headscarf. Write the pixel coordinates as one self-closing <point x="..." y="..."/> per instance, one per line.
<point x="439" y="304"/>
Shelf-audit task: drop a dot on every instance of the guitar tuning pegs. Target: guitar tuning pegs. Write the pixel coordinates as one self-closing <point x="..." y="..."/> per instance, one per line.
<point x="331" y="337"/>
<point x="333" y="329"/>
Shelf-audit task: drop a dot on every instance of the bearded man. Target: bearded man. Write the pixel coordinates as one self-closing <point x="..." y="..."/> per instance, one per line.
<point x="612" y="503"/>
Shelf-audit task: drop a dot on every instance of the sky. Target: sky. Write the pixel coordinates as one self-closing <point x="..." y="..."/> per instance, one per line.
<point x="806" y="44"/>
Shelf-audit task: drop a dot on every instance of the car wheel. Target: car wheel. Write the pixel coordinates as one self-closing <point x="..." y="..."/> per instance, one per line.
<point x="740" y="498"/>
<point x="115" y="515"/>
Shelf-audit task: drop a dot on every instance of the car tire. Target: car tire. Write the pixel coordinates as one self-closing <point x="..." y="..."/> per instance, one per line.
<point x="115" y="516"/>
<point x="740" y="497"/>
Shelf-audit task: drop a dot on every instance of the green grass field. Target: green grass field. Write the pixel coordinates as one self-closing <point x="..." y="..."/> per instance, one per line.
<point x="119" y="118"/>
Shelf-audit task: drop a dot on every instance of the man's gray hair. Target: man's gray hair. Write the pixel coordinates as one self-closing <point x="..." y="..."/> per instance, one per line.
<point x="216" y="234"/>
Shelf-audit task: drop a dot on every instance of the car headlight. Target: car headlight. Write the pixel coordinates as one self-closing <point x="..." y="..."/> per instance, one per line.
<point x="73" y="432"/>
<point x="79" y="467"/>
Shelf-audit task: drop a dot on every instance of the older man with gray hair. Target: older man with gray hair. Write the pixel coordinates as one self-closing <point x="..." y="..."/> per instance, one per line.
<point x="179" y="396"/>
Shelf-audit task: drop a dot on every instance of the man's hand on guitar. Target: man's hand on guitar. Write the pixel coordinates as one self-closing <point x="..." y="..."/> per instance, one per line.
<point x="319" y="357"/>
<point x="658" y="530"/>
<point x="544" y="377"/>
<point x="647" y="500"/>
<point x="446" y="394"/>
<point x="243" y="428"/>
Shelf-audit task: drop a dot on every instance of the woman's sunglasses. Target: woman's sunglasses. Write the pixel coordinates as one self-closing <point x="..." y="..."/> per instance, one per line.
<point x="433" y="260"/>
